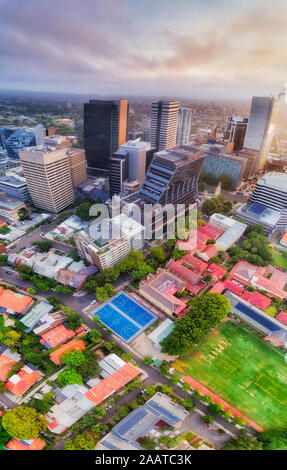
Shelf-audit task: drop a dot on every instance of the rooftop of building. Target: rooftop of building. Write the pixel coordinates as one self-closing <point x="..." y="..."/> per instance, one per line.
<point x="275" y="180"/>
<point x="26" y="444"/>
<point x="13" y="302"/>
<point x="7" y="360"/>
<point x="16" y="182"/>
<point x="9" y="202"/>
<point x="178" y="156"/>
<point x="23" y="380"/>
<point x="136" y="143"/>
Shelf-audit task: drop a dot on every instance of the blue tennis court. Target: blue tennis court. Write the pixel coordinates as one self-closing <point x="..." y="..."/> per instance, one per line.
<point x="132" y="309"/>
<point x="124" y="316"/>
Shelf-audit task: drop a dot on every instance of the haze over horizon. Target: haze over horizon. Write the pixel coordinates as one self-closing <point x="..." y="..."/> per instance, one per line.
<point x="199" y="49"/>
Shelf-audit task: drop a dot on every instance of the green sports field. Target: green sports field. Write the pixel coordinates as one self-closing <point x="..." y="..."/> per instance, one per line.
<point x="243" y="370"/>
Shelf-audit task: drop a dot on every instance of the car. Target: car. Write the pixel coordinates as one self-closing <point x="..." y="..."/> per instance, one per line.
<point x="8" y="272"/>
<point x="93" y="302"/>
<point x="24" y="288"/>
<point x="108" y="407"/>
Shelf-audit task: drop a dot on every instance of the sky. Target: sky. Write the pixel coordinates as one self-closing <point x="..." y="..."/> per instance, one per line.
<point x="185" y="48"/>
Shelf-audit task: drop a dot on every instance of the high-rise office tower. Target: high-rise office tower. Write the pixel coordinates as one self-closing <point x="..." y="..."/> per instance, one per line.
<point x="119" y="171"/>
<point x="183" y="126"/>
<point x="105" y="129"/>
<point x="172" y="176"/>
<point x="48" y="176"/>
<point x="235" y="131"/>
<point x="137" y="151"/>
<point x="260" y="128"/>
<point x="78" y="166"/>
<point x="163" y="126"/>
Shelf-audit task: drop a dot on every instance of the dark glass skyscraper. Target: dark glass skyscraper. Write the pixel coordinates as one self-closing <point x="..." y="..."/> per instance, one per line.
<point x="105" y="129"/>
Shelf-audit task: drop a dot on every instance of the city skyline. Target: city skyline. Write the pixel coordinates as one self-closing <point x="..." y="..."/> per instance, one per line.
<point x="193" y="49"/>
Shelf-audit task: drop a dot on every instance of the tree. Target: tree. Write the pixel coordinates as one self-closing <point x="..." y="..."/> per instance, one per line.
<point x="206" y="312"/>
<point x="185" y="387"/>
<point x="23" y="213"/>
<point x="174" y="379"/>
<point x="83" y="210"/>
<point x="69" y="377"/>
<point x="73" y="359"/>
<point x="187" y="403"/>
<point x="226" y="182"/>
<point x="4" y="437"/>
<point x="43" y="246"/>
<point x="95" y="336"/>
<point x="86" y="440"/>
<point x="164" y="368"/>
<point x="105" y="292"/>
<point x="31" y="290"/>
<point x="150" y="390"/>
<point x="147" y="360"/>
<point x="3" y="260"/>
<point x="158" y="254"/>
<point x="208" y="419"/>
<point x="178" y="253"/>
<point x="274" y="439"/>
<point x="148" y="444"/>
<point x="23" y="422"/>
<point x="90" y="367"/>
<point x="165" y="388"/>
<point x="9" y="338"/>
<point x="33" y="357"/>
<point x="74" y="321"/>
<point x="244" y="443"/>
<point x="142" y="272"/>
<point x="3" y="389"/>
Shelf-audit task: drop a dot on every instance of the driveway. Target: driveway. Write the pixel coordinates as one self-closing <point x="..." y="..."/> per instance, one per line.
<point x="194" y="423"/>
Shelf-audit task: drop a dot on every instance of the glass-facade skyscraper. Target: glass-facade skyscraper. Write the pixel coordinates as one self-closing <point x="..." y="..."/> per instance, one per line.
<point x="13" y="139"/>
<point x="105" y="129"/>
<point x="260" y="128"/>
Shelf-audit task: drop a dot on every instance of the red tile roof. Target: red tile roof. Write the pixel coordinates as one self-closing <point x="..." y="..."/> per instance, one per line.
<point x="218" y="287"/>
<point x="216" y="271"/>
<point x="196" y="264"/>
<point x="211" y="231"/>
<point x="13" y="301"/>
<point x="19" y="383"/>
<point x="112" y="383"/>
<point x="233" y="287"/>
<point x="257" y="299"/>
<point x="74" y="345"/>
<point x="210" y="251"/>
<point x="36" y="444"/>
<point x="185" y="273"/>
<point x="6" y="365"/>
<point x="282" y="316"/>
<point x="56" y="336"/>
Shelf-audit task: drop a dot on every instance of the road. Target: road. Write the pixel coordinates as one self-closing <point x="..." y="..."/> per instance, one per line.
<point x="35" y="236"/>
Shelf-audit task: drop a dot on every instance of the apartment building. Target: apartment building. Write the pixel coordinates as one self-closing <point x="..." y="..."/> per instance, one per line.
<point x="123" y="235"/>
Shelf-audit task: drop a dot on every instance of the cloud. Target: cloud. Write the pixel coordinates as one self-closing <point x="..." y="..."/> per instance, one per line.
<point x="93" y="44"/>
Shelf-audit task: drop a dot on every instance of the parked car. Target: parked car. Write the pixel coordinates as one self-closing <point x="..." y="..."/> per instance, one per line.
<point x="8" y="272"/>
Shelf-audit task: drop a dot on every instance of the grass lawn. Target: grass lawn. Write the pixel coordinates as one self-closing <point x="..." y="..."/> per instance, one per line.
<point x="243" y="370"/>
<point x="279" y="258"/>
<point x="271" y="310"/>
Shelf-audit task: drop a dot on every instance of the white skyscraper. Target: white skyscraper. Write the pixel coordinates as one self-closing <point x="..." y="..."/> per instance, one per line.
<point x="137" y="150"/>
<point x="183" y="127"/>
<point x="163" y="128"/>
